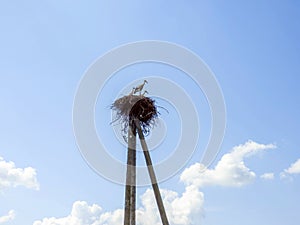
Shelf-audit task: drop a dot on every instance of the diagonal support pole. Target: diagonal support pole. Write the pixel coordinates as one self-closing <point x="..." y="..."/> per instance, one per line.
<point x="155" y="187"/>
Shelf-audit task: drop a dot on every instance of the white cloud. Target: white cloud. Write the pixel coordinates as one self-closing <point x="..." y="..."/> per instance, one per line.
<point x="81" y="214"/>
<point x="267" y="176"/>
<point x="181" y="210"/>
<point x="8" y="217"/>
<point x="229" y="171"/>
<point x="293" y="169"/>
<point x="11" y="176"/>
<point x="186" y="209"/>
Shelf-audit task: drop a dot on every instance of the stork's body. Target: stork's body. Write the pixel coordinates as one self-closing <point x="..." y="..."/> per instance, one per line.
<point x="140" y="87"/>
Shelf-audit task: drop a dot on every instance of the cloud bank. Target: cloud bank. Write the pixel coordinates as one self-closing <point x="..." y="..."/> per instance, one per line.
<point x="230" y="171"/>
<point x="11" y="176"/>
<point x="182" y="209"/>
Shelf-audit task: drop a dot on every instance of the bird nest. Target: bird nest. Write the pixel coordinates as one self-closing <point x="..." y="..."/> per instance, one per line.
<point x="132" y="109"/>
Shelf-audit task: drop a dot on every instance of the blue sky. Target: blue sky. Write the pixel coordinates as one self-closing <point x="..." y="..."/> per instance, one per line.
<point x="252" y="48"/>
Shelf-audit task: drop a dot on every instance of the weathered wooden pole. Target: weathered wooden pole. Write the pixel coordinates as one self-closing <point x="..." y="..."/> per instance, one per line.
<point x="137" y="111"/>
<point x="130" y="190"/>
<point x="151" y="172"/>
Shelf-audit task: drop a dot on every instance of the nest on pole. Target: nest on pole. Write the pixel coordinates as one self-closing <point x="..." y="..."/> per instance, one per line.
<point x="135" y="108"/>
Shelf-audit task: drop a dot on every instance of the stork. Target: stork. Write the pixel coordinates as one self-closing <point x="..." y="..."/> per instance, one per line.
<point x="144" y="93"/>
<point x="140" y="87"/>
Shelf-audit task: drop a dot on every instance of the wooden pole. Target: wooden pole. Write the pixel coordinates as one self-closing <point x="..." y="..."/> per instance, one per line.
<point x="133" y="177"/>
<point x="130" y="190"/>
<point x="155" y="187"/>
